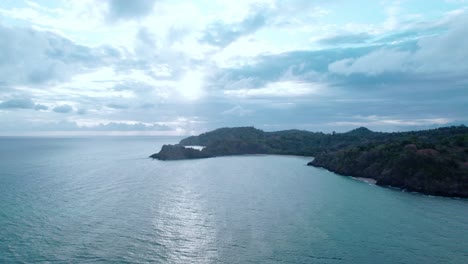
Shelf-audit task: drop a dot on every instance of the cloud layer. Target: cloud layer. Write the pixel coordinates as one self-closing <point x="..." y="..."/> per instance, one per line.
<point x="173" y="67"/>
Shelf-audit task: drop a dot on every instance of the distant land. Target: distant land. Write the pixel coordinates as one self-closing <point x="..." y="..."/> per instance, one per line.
<point x="432" y="161"/>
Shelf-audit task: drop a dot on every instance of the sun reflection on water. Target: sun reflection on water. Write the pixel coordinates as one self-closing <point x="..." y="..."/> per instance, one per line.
<point x="184" y="226"/>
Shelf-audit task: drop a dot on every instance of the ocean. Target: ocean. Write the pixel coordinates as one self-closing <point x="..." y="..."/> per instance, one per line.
<point x="102" y="200"/>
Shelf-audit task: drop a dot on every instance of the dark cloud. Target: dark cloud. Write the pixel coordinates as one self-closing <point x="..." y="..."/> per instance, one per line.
<point x="423" y="91"/>
<point x="117" y="106"/>
<point x="304" y="65"/>
<point x="277" y="13"/>
<point x="344" y="39"/>
<point x="40" y="107"/>
<point x="63" y="109"/>
<point x="435" y="60"/>
<point x="21" y="103"/>
<point x="221" y="34"/>
<point x="133" y="9"/>
<point x="139" y="88"/>
<point x="82" y="111"/>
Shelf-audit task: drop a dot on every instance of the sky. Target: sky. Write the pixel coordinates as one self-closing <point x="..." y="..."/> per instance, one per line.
<point x="160" y="67"/>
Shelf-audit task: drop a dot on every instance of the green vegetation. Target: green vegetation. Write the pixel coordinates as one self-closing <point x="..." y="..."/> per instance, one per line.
<point x="431" y="161"/>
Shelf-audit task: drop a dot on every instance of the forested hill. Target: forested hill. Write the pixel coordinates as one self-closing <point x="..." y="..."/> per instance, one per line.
<point x="249" y="140"/>
<point x="430" y="161"/>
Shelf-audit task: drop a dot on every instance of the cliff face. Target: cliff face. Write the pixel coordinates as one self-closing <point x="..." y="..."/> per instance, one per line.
<point x="432" y="161"/>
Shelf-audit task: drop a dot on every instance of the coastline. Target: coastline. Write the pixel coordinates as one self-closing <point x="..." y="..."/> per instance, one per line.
<point x="366" y="180"/>
<point x="417" y="161"/>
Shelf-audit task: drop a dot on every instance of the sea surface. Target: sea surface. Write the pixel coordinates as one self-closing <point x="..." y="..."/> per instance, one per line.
<point x="102" y="200"/>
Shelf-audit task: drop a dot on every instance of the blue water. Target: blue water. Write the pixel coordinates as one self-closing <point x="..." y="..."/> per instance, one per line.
<point x="102" y="200"/>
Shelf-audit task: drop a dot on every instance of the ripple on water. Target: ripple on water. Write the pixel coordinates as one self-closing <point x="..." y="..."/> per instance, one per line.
<point x="87" y="201"/>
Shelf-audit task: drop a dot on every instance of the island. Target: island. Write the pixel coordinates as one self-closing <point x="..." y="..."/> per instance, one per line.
<point x="433" y="162"/>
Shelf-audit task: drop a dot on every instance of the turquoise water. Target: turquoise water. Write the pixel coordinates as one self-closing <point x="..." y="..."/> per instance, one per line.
<point x="102" y="200"/>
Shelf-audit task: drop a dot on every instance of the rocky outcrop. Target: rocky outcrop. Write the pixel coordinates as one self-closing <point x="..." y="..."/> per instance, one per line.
<point x="178" y="152"/>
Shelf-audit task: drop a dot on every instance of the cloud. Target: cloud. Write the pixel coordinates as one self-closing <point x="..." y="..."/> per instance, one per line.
<point x="262" y="14"/>
<point x="63" y="109"/>
<point x="374" y="120"/>
<point x="238" y="111"/>
<point x="222" y="34"/>
<point x="374" y="63"/>
<point x="278" y="89"/>
<point x="444" y="54"/>
<point x="40" y="107"/>
<point x="138" y="87"/>
<point x="308" y="65"/>
<point x="147" y="106"/>
<point x="232" y="62"/>
<point x="72" y="128"/>
<point x="157" y="55"/>
<point x="119" y="126"/>
<point x="341" y="39"/>
<point x="145" y="43"/>
<point x="117" y="106"/>
<point x="21" y="103"/>
<point x="32" y="57"/>
<point x="447" y="52"/>
<point x="124" y="9"/>
<point x="82" y="111"/>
